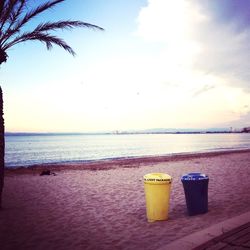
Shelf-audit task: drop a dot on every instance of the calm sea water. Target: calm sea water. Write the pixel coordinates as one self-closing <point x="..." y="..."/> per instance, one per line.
<point x="36" y="149"/>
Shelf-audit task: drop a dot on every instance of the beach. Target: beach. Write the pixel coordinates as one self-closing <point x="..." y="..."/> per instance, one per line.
<point x="101" y="205"/>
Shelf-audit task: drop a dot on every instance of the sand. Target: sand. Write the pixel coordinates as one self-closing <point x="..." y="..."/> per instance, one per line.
<point x="81" y="208"/>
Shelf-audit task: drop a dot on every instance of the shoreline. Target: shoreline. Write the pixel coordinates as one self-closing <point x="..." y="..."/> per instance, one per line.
<point x="113" y="163"/>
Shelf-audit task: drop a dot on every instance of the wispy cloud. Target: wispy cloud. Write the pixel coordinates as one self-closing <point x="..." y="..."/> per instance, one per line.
<point x="203" y="89"/>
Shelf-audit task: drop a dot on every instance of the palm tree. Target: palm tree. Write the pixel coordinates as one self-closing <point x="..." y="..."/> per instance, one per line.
<point x="14" y="15"/>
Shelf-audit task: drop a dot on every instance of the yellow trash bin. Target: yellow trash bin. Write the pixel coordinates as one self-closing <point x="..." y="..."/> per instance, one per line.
<point x="157" y="193"/>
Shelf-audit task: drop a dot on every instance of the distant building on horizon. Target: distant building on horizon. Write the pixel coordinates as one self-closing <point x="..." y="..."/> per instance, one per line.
<point x="246" y="130"/>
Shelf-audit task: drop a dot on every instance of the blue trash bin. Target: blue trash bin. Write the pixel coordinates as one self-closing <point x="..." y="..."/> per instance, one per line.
<point x="196" y="192"/>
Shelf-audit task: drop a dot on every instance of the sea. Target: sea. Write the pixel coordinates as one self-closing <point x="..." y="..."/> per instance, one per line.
<point x="31" y="149"/>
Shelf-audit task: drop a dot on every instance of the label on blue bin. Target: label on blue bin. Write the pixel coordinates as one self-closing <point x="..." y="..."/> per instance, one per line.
<point x="194" y="177"/>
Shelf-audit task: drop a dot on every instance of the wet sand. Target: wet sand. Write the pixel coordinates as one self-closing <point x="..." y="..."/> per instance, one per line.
<point x="101" y="205"/>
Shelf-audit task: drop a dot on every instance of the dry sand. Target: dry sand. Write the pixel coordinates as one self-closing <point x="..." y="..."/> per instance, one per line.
<point x="105" y="209"/>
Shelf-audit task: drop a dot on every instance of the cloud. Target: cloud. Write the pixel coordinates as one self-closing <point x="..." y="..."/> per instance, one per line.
<point x="204" y="89"/>
<point x="167" y="21"/>
<point x="207" y="36"/>
<point x="224" y="37"/>
<point x="170" y="25"/>
<point x="225" y="12"/>
<point x="204" y="55"/>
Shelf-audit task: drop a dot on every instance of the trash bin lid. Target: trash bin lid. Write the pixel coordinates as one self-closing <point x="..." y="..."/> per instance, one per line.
<point x="194" y="177"/>
<point x="157" y="178"/>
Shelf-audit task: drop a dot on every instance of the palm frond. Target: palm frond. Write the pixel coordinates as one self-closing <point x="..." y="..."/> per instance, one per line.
<point x="7" y="12"/>
<point x="2" y="4"/>
<point x="31" y="14"/>
<point x="13" y="18"/>
<point x="49" y="40"/>
<point x="15" y="24"/>
<point x="48" y="26"/>
<point x="16" y="12"/>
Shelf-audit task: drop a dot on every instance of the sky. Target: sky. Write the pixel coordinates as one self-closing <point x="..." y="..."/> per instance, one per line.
<point x="158" y="64"/>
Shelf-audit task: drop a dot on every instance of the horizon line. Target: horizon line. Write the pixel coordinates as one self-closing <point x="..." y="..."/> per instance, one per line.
<point x="122" y="133"/>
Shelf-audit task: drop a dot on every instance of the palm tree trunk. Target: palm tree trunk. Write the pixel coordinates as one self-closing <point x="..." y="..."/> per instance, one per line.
<point x="1" y="146"/>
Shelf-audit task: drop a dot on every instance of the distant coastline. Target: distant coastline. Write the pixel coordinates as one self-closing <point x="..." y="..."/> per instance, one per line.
<point x="213" y="130"/>
<point x="122" y="133"/>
